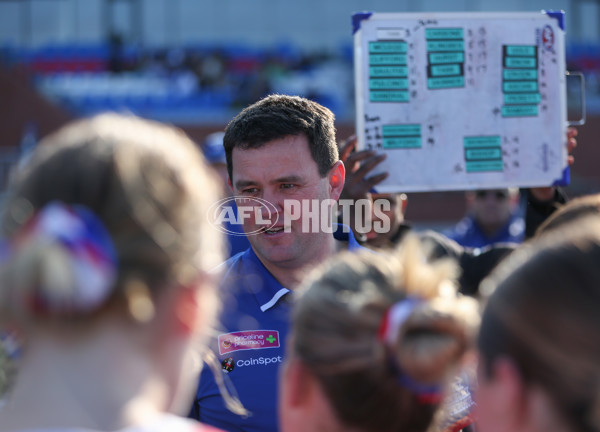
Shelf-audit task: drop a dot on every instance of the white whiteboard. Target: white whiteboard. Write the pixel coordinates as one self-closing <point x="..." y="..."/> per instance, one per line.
<point x="462" y="100"/>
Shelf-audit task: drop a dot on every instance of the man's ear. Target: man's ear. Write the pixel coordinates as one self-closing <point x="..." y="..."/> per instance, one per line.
<point x="336" y="177"/>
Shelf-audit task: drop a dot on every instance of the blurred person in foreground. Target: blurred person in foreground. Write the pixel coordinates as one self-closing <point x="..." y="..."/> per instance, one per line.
<point x="376" y="342"/>
<point x="539" y="361"/>
<point x="103" y="271"/>
<point x="577" y="209"/>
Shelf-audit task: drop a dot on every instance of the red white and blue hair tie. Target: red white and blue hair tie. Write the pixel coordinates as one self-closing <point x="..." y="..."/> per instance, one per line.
<point x="394" y="318"/>
<point x="77" y="263"/>
<point x="388" y="332"/>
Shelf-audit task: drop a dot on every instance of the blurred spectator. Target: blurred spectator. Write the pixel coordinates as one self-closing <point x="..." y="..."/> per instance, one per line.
<point x="115" y="50"/>
<point x="492" y="217"/>
<point x="217" y="77"/>
<point x="212" y="70"/>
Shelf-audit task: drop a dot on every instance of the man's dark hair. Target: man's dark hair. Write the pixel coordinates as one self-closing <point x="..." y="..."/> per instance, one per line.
<point x="277" y="116"/>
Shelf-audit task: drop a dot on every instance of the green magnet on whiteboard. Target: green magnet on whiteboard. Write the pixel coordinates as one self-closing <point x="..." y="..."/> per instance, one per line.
<point x="482" y="141"/>
<point x="408" y="142"/>
<point x="445" y="82"/>
<point x="444" y="70"/>
<point x="520" y="50"/>
<point x="388" y="83"/>
<point x="402" y="130"/>
<point x="450" y="57"/>
<point x="482" y="166"/>
<point x="387" y="59"/>
<point x="519" y="110"/>
<point x="522" y="98"/>
<point x="389" y="96"/>
<point x="388" y="71"/>
<point x="520" y="62"/>
<point x="444" y="33"/>
<point x="388" y="47"/>
<point x="445" y="46"/>
<point x="520" y="86"/>
<point x="483" y="154"/>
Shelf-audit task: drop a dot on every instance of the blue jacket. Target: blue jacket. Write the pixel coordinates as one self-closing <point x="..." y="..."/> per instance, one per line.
<point x="468" y="233"/>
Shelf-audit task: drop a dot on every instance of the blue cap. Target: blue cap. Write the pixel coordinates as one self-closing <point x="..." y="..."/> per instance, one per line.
<point x="213" y="149"/>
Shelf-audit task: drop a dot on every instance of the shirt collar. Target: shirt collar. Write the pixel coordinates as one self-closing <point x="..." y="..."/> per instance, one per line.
<point x="267" y="290"/>
<point x="344" y="233"/>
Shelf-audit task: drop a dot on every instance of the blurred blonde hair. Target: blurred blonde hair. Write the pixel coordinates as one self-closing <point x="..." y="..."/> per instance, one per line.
<point x="335" y="327"/>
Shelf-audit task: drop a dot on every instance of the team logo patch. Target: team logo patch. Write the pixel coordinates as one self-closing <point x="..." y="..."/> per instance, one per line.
<point x="246" y="340"/>
<point x="548" y="38"/>
<point x="228" y="364"/>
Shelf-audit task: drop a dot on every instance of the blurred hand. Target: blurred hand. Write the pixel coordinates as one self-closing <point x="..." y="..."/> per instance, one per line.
<point x="358" y="166"/>
<point x="547" y="193"/>
<point x="571" y="143"/>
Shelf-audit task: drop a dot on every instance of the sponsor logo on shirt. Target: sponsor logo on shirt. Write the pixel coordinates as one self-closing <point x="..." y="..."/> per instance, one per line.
<point x="227" y="365"/>
<point x="259" y="361"/>
<point x="248" y="340"/>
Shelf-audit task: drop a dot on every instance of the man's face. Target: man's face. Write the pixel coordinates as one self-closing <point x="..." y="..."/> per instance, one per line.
<point x="491" y="208"/>
<point x="282" y="169"/>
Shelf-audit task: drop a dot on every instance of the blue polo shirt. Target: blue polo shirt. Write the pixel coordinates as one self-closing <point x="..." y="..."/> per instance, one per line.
<point x="251" y="345"/>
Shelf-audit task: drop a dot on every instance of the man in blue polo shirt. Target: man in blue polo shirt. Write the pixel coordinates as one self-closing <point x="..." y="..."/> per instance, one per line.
<point x="279" y="150"/>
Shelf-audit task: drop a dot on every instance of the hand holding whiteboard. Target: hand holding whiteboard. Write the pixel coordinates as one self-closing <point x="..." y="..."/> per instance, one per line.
<point x="462" y="100"/>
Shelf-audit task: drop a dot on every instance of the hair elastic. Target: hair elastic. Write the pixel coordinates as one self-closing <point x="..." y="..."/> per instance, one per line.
<point x="388" y="332"/>
<point x="394" y="318"/>
<point x="83" y="257"/>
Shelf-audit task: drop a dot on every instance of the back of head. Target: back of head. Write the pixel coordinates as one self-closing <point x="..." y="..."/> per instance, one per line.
<point x="147" y="187"/>
<point x="277" y="116"/>
<point x="576" y="209"/>
<point x="382" y="334"/>
<point x="543" y="315"/>
<point x="475" y="264"/>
